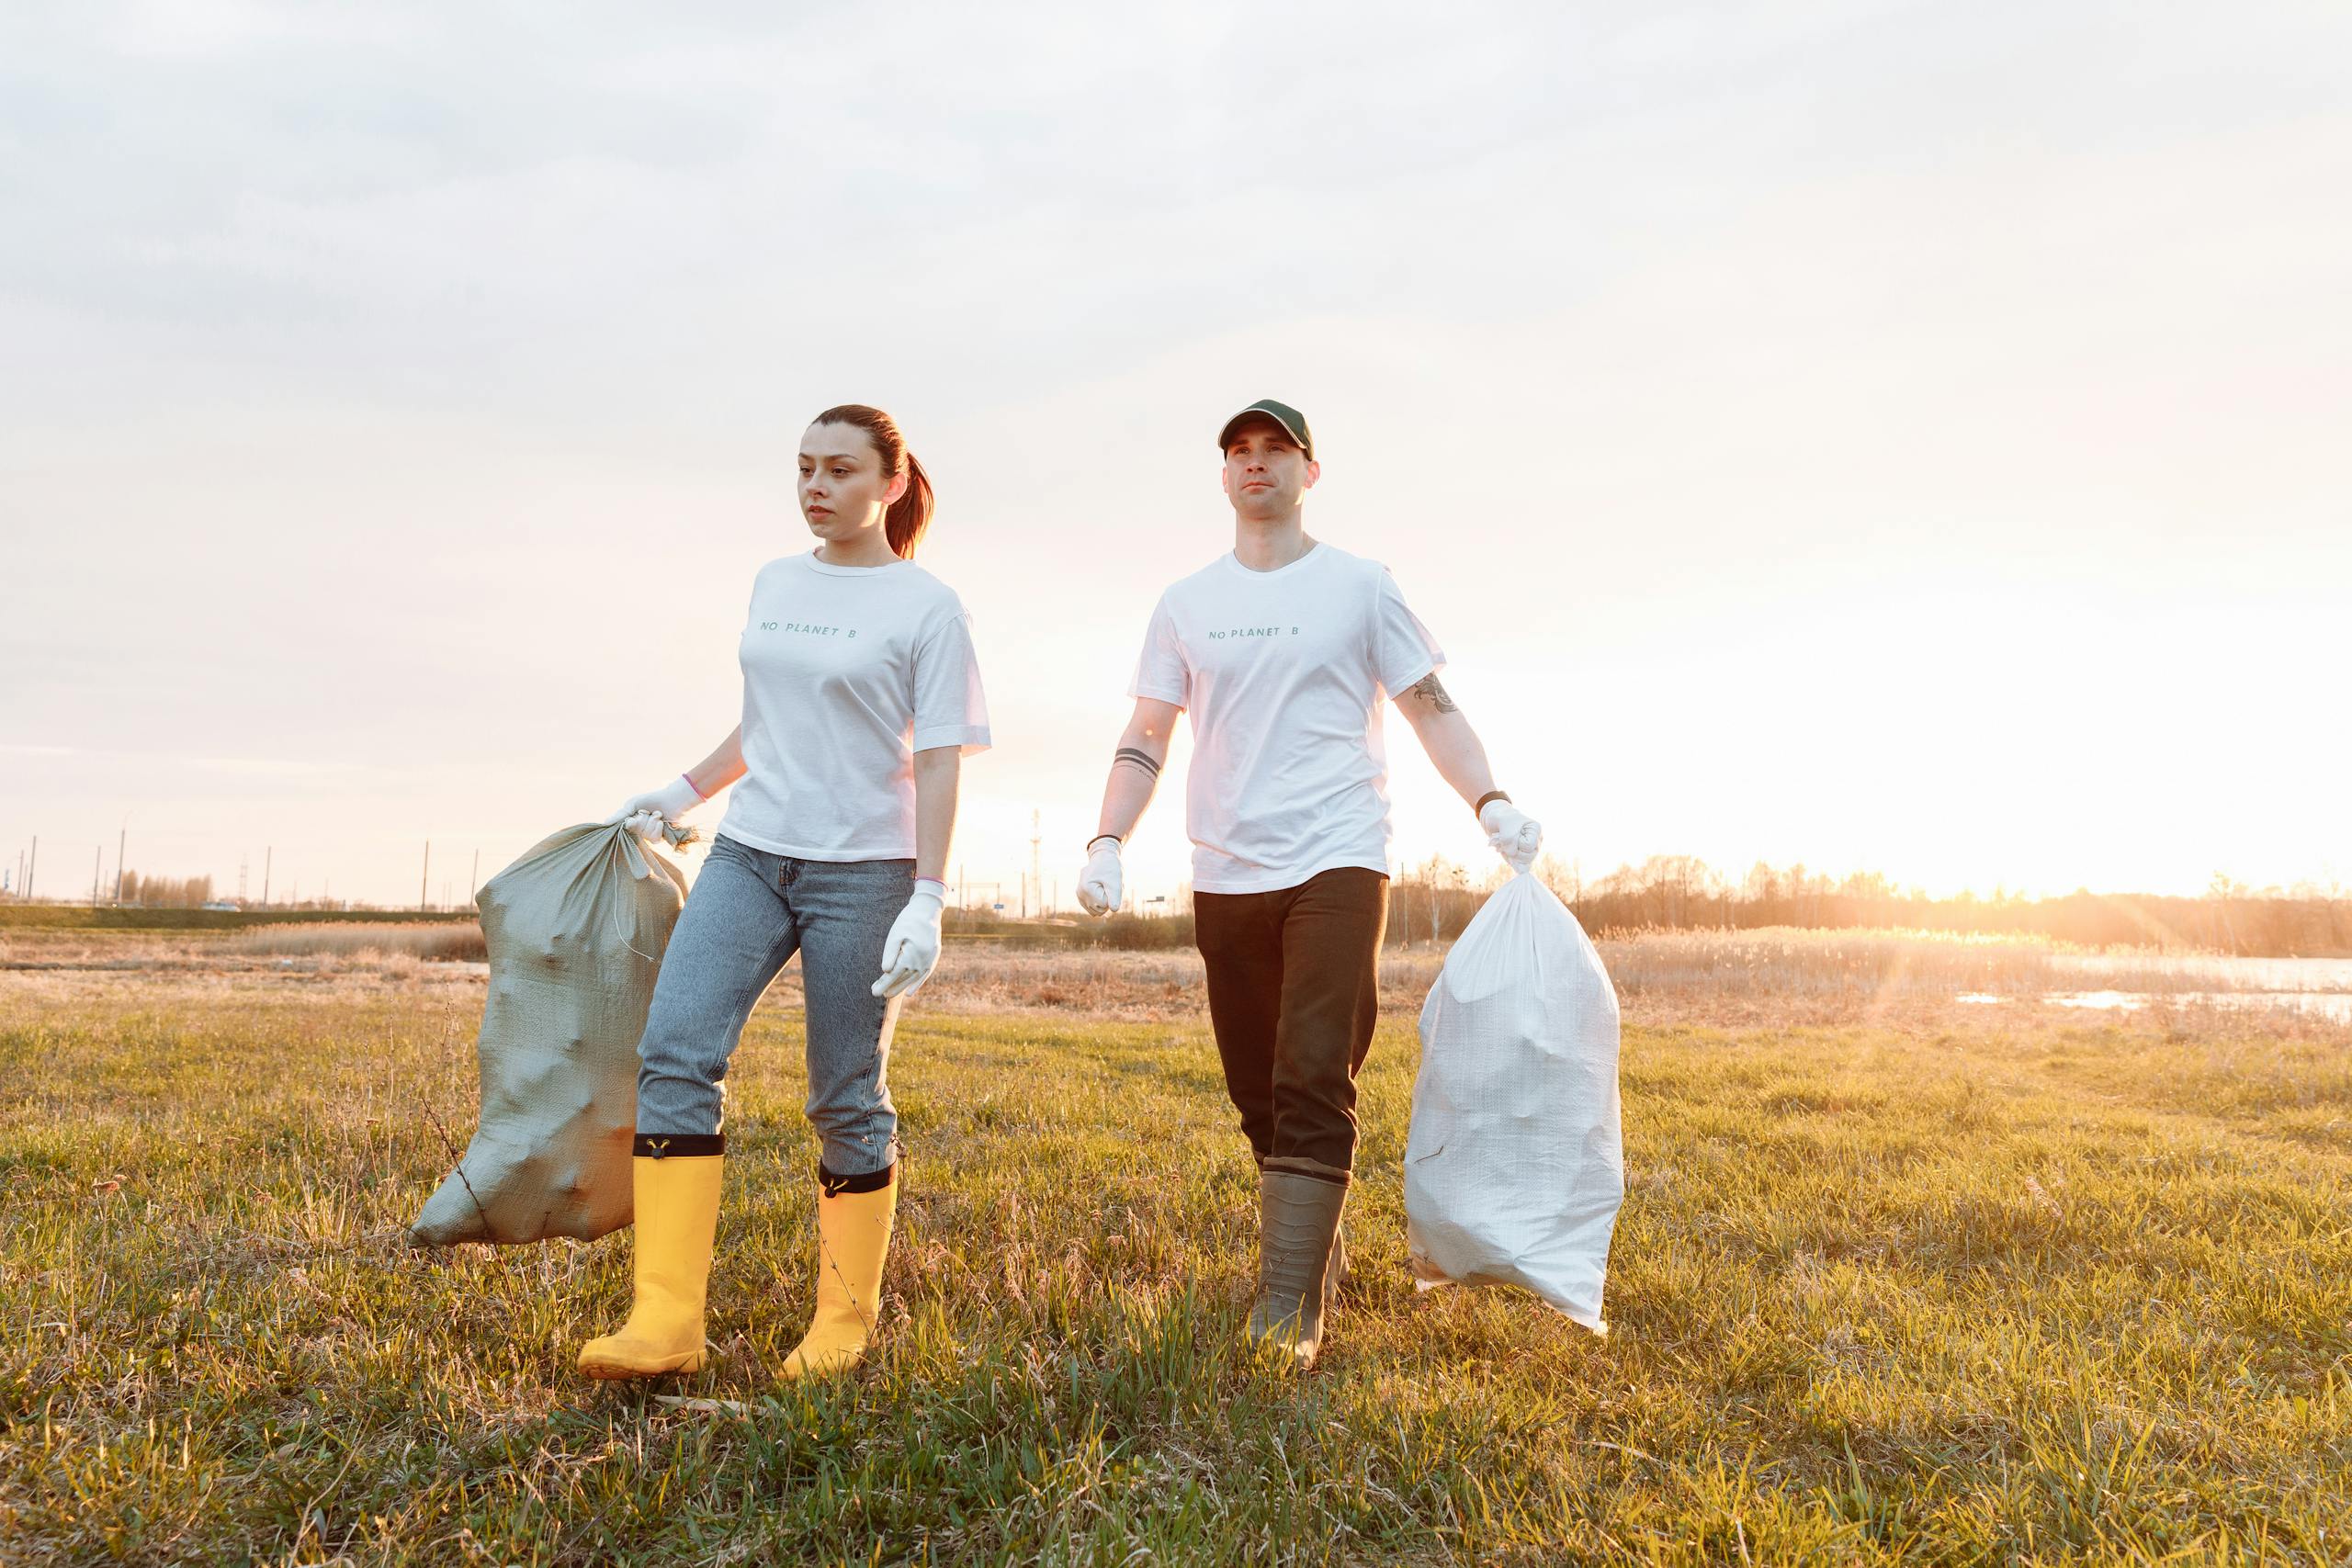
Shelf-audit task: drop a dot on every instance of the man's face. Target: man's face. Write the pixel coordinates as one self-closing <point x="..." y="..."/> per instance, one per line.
<point x="1265" y="473"/>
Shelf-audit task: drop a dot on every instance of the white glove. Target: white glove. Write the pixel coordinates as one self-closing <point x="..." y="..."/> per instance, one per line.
<point x="911" y="950"/>
<point x="1511" y="833"/>
<point x="1099" y="889"/>
<point x="644" y="814"/>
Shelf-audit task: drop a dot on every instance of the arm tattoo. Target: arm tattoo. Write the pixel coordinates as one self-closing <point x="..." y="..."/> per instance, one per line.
<point x="1141" y="759"/>
<point x="1428" y="686"/>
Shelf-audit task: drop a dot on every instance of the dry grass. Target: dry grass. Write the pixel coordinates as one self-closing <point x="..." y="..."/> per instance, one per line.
<point x="440" y="943"/>
<point x="1784" y="976"/>
<point x="1724" y="978"/>
<point x="325" y="947"/>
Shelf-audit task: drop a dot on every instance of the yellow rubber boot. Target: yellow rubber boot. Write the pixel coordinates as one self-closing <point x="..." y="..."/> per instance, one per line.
<point x="677" y="1212"/>
<point x="853" y="1237"/>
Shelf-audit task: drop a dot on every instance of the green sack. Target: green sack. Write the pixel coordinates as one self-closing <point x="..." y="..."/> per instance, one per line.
<point x="576" y="931"/>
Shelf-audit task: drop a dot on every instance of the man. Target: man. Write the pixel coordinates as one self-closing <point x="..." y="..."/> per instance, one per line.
<point x="1281" y="652"/>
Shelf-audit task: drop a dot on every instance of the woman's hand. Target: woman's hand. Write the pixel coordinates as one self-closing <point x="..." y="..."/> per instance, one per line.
<point x="911" y="950"/>
<point x="644" y="814"/>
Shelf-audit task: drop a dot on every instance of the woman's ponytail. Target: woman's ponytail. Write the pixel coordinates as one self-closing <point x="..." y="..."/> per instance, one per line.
<point x="909" y="515"/>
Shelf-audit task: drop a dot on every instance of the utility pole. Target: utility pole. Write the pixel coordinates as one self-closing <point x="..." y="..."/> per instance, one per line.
<point x="245" y="862"/>
<point x="268" y="853"/>
<point x="98" y="863"/>
<point x="1036" y="873"/>
<point x="121" y="841"/>
<point x="425" y="878"/>
<point x="33" y="867"/>
<point x="474" y="891"/>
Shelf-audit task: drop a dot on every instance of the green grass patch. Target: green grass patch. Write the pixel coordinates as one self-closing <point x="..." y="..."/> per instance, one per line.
<point x="2078" y="1293"/>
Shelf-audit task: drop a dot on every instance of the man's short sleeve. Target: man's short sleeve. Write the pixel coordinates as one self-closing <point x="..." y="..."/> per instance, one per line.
<point x="1402" y="649"/>
<point x="950" y="708"/>
<point x="1162" y="674"/>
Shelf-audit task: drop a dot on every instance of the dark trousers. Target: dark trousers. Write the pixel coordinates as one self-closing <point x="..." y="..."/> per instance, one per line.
<point x="1294" y="989"/>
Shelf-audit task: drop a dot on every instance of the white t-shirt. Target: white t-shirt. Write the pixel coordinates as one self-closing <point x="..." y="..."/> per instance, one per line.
<point x="848" y="671"/>
<point x="1283" y="673"/>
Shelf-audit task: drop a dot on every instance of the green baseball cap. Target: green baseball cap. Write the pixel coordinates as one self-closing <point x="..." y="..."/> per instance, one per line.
<point x="1293" y="425"/>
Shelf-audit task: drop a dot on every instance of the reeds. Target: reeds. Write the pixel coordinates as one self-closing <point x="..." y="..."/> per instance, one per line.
<point x="440" y="943"/>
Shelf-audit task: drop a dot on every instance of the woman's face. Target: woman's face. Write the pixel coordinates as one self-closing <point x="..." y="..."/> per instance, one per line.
<point x="843" y="489"/>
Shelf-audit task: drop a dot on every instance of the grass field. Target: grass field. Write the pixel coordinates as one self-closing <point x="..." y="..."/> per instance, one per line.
<point x="1896" y="1280"/>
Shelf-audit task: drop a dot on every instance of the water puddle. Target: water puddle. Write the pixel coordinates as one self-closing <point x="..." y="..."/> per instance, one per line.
<point x="2336" y="1004"/>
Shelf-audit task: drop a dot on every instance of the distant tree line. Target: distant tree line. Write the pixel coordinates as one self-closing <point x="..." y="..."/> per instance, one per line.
<point x="164" y="892"/>
<point x="1437" y="898"/>
<point x="175" y="893"/>
<point x="1434" y="901"/>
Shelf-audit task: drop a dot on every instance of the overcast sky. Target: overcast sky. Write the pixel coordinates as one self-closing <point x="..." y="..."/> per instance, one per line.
<point x="1879" y="436"/>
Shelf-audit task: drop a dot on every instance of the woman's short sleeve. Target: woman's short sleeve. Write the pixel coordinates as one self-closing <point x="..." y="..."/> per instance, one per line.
<point x="950" y="708"/>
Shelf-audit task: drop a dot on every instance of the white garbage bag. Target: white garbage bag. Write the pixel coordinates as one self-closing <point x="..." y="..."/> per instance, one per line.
<point x="1513" y="1169"/>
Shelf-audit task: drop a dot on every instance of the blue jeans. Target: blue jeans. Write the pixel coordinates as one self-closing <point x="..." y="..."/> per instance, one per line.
<point x="749" y="912"/>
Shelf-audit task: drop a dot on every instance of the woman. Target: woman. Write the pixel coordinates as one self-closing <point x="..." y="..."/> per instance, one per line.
<point x="861" y="695"/>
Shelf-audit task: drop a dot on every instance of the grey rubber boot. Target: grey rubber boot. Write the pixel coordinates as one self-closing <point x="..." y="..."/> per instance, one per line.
<point x="1298" y="1220"/>
<point x="1338" y="1273"/>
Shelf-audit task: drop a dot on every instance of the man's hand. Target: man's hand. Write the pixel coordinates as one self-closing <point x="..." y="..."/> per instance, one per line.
<point x="1511" y="833"/>
<point x="1100" y="888"/>
<point x="911" y="950"/>
<point x="644" y="814"/>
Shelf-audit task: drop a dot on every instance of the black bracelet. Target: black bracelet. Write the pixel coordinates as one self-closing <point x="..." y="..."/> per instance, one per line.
<point x="1098" y="839"/>
<point x="1492" y="795"/>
